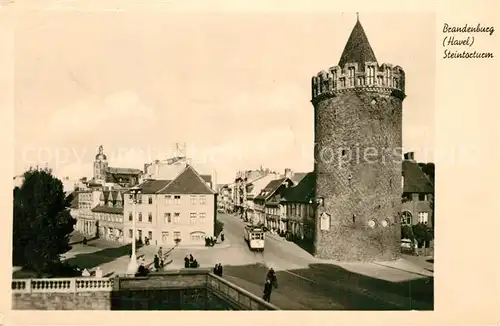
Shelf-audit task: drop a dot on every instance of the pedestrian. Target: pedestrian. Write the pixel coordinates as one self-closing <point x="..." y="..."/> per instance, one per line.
<point x="220" y="270"/>
<point x="156" y="262"/>
<point x="415" y="247"/>
<point x="271" y="276"/>
<point x="268" y="289"/>
<point x="222" y="236"/>
<point x="160" y="253"/>
<point x="84" y="241"/>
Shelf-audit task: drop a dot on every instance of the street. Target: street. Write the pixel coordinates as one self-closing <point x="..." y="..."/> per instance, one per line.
<point x="307" y="283"/>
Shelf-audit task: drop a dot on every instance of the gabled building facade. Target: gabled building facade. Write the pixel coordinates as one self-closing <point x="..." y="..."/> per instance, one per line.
<point x="268" y="208"/>
<point x="183" y="208"/>
<point x="108" y="215"/>
<point x="418" y="193"/>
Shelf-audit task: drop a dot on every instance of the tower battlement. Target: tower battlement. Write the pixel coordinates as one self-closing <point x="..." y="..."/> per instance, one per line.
<point x="385" y="78"/>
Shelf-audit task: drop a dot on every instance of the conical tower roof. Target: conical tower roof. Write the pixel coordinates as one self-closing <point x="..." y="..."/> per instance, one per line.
<point x="358" y="49"/>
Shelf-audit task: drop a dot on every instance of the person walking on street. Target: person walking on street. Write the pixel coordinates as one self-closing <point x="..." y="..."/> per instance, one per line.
<point x="268" y="289"/>
<point x="157" y="263"/>
<point x="271" y="276"/>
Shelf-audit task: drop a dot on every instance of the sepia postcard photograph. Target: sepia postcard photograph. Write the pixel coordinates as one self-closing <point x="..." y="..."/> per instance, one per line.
<point x="167" y="158"/>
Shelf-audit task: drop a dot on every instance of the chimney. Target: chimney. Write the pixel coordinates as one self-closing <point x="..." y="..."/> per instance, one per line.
<point x="410" y="156"/>
<point x="288" y="173"/>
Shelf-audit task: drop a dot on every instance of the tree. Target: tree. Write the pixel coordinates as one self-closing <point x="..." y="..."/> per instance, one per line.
<point x="42" y="221"/>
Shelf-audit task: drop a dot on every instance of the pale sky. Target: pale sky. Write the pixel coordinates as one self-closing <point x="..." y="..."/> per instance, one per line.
<point x="234" y="87"/>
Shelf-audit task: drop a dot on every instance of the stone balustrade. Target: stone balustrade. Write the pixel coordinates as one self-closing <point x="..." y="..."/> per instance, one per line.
<point x="238" y="296"/>
<point x="97" y="293"/>
<point x="62" y="285"/>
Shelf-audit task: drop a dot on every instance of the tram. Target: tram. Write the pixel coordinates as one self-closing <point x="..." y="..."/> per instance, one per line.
<point x="255" y="237"/>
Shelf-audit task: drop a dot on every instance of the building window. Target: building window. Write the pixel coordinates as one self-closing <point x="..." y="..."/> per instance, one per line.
<point x="140" y="217"/>
<point x="192" y="218"/>
<point x="168" y="200"/>
<point x="177" y="200"/>
<point x="380" y="80"/>
<point x="388" y="77"/>
<point x="177" y="217"/>
<point x="423" y="217"/>
<point x="342" y="82"/>
<point x="406" y="218"/>
<point x="422" y="197"/>
<point x="130" y="233"/>
<point x="150" y="200"/>
<point x="150" y="235"/>
<point x="202" y="218"/>
<point x="177" y="235"/>
<point x="164" y="236"/>
<point x="334" y="78"/>
<point x="150" y="217"/>
<point x="193" y="199"/>
<point x="168" y="218"/>
<point x="203" y="199"/>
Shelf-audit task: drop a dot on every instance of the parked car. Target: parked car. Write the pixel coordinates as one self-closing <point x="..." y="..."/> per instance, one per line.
<point x="406" y="246"/>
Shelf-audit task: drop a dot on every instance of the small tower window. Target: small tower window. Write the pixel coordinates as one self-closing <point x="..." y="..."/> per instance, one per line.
<point x="380" y="80"/>
<point x="388" y="77"/>
<point x="334" y="78"/>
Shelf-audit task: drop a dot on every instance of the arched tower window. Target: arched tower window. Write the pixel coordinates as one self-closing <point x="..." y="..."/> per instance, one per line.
<point x="388" y="77"/>
<point x="334" y="78"/>
<point x="380" y="80"/>
<point x="371" y="75"/>
<point x="351" y="76"/>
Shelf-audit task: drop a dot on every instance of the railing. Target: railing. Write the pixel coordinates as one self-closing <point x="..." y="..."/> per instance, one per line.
<point x="237" y="295"/>
<point x="62" y="285"/>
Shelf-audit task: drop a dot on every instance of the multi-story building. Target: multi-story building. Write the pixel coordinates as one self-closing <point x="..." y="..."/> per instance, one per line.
<point x="168" y="211"/>
<point x="108" y="215"/>
<point x="85" y="222"/>
<point x="418" y="192"/>
<point x="297" y="203"/>
<point x="268" y="208"/>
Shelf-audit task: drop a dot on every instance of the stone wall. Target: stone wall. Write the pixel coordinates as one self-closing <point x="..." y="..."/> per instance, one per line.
<point x="62" y="301"/>
<point x="358" y="136"/>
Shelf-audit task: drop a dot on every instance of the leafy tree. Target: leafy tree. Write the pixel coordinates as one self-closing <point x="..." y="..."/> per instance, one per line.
<point x="407" y="232"/>
<point x="423" y="234"/>
<point x="42" y="221"/>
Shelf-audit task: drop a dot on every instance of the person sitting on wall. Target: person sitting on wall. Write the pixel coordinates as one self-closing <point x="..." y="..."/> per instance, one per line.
<point x="219" y="270"/>
<point x="191" y="258"/>
<point x="142" y="271"/>
<point x="194" y="264"/>
<point x="216" y="269"/>
<point x="186" y="262"/>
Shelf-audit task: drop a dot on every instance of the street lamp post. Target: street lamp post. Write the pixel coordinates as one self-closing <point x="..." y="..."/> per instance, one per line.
<point x="132" y="265"/>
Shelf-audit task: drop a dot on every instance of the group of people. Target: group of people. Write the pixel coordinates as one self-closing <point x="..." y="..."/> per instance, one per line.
<point x="190" y="262"/>
<point x="211" y="241"/>
<point x="271" y="282"/>
<point x="218" y="269"/>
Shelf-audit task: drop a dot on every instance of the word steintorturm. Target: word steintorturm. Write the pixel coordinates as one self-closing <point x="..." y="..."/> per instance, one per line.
<point x="468" y="29"/>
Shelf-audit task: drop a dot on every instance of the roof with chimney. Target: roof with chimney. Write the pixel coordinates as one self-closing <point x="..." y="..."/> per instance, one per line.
<point x="188" y="182"/>
<point x="415" y="180"/>
<point x="303" y="191"/>
<point x="271" y="188"/>
<point x="357" y="49"/>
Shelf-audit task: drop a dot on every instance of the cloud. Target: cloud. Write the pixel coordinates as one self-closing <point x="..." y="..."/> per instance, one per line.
<point x="118" y="112"/>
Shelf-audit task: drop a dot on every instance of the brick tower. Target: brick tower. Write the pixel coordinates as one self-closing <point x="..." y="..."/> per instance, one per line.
<point x="358" y="139"/>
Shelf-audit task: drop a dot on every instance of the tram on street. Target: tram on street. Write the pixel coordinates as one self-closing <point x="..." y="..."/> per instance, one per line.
<point x="255" y="237"/>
